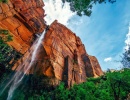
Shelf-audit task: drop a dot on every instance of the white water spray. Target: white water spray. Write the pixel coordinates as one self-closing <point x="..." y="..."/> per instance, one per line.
<point x="18" y="76"/>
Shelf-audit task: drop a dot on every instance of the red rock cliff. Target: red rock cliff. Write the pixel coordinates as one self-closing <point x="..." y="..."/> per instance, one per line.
<point x="62" y="57"/>
<point x="22" y="18"/>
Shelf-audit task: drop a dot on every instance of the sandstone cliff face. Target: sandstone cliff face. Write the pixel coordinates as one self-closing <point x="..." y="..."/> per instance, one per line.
<point x="61" y="57"/>
<point x="22" y="18"/>
<point x="95" y="66"/>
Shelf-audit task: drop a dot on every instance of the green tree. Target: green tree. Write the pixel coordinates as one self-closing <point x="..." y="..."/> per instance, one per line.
<point x="119" y="84"/>
<point x="4" y="1"/>
<point x="6" y="53"/>
<point x="4" y="48"/>
<point x="126" y="58"/>
<point x="111" y="86"/>
<point x="84" y="7"/>
<point x="61" y="93"/>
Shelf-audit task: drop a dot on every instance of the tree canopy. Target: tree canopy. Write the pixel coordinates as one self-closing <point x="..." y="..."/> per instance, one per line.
<point x="112" y="86"/>
<point x="84" y="7"/>
<point x="4" y="1"/>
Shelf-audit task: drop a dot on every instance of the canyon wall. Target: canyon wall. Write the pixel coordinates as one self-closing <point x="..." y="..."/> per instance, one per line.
<point x="61" y="56"/>
<point x="23" y="18"/>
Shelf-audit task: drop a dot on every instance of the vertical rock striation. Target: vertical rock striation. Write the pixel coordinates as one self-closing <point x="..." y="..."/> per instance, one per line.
<point x="22" y="18"/>
<point x="62" y="57"/>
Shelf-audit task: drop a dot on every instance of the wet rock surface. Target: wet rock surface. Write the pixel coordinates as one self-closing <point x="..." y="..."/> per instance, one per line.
<point x="61" y="57"/>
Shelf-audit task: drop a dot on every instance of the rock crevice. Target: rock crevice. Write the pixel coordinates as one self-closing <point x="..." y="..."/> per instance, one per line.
<point x="23" y="18"/>
<point x="63" y="57"/>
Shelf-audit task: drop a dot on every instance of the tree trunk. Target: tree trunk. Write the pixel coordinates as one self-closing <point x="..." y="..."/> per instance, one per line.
<point x="116" y="97"/>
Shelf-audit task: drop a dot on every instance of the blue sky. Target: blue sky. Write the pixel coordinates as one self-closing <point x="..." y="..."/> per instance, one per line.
<point x="104" y="33"/>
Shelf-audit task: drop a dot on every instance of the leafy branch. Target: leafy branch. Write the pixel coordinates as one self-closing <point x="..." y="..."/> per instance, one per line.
<point x="84" y="7"/>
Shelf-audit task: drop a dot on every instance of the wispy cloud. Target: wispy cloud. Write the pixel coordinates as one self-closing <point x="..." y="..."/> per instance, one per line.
<point x="127" y="41"/>
<point x="108" y="34"/>
<point x="55" y="9"/>
<point x="108" y="59"/>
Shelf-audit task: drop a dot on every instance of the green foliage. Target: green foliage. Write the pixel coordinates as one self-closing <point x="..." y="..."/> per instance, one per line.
<point x="84" y="7"/>
<point x="18" y="95"/>
<point x="4" y="1"/>
<point x="126" y="59"/>
<point x="119" y="83"/>
<point x="4" y="48"/>
<point x="7" y="54"/>
<point x="111" y="86"/>
<point x="5" y="36"/>
<point x="61" y="93"/>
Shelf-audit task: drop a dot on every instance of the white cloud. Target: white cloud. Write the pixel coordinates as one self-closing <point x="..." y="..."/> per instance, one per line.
<point x="127" y="41"/>
<point x="108" y="59"/>
<point x="55" y="9"/>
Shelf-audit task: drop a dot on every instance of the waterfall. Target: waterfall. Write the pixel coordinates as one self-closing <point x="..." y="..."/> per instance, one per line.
<point x="19" y="75"/>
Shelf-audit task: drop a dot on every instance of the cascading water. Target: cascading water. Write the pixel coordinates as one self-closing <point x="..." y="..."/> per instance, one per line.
<point x="18" y="76"/>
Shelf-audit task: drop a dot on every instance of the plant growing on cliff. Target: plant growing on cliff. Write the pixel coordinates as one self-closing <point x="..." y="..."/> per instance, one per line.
<point x="4" y="1"/>
<point x="7" y="54"/>
<point x="5" y="36"/>
<point x="5" y="51"/>
<point x="4" y="48"/>
<point x="84" y="7"/>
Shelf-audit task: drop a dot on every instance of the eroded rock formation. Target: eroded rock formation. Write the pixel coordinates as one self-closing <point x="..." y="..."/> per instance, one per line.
<point x="62" y="57"/>
<point x="22" y="18"/>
